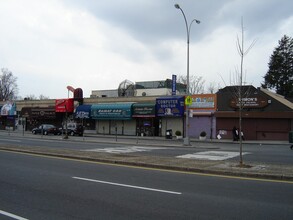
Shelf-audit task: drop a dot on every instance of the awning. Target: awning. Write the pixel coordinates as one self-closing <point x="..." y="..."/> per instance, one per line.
<point x="143" y="110"/>
<point x="83" y="111"/>
<point x="38" y="112"/>
<point x="64" y="105"/>
<point x="112" y="111"/>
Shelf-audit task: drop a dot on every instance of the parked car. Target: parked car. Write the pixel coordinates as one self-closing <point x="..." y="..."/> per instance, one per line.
<point x="46" y="129"/>
<point x="72" y="129"/>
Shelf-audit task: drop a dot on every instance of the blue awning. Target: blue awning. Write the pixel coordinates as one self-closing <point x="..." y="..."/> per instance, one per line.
<point x="112" y="111"/>
<point x="83" y="111"/>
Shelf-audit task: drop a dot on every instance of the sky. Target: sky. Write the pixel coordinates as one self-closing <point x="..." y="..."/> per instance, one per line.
<point x="95" y="45"/>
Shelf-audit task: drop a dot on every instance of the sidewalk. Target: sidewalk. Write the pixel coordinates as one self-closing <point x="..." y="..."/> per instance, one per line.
<point x="252" y="170"/>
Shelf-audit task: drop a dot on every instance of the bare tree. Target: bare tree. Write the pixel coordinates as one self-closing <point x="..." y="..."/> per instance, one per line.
<point x="196" y="83"/>
<point x="239" y="93"/>
<point x="43" y="97"/>
<point x="8" y="85"/>
<point x="33" y="97"/>
<point x="213" y="88"/>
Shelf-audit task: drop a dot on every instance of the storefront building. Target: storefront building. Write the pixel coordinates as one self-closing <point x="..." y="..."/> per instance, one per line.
<point x="146" y="122"/>
<point x="114" y="118"/>
<point x="82" y="116"/>
<point x="170" y="112"/>
<point x="31" y="117"/>
<point x="202" y="118"/>
<point x="265" y="115"/>
<point x="8" y="116"/>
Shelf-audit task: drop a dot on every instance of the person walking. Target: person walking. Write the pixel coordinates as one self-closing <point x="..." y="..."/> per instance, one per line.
<point x="235" y="134"/>
<point x="242" y="136"/>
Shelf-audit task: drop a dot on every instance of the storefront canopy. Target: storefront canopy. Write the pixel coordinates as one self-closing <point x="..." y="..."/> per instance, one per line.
<point x="115" y="111"/>
<point x="83" y="111"/>
<point x="38" y="112"/>
<point x="144" y="110"/>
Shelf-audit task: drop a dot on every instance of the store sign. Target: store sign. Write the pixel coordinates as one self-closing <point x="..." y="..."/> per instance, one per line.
<point x="38" y="112"/>
<point x="250" y="102"/>
<point x="111" y="111"/>
<point x="174" y="78"/>
<point x="144" y="111"/>
<point x="43" y="113"/>
<point x="83" y="111"/>
<point x="8" y="109"/>
<point x="203" y="101"/>
<point x="170" y="106"/>
<point x="64" y="105"/>
<point x="81" y="114"/>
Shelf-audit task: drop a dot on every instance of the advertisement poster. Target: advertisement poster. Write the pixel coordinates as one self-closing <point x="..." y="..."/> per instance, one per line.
<point x="64" y="105"/>
<point x="204" y="101"/>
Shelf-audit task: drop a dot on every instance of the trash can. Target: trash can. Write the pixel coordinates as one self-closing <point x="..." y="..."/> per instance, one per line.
<point x="169" y="134"/>
<point x="290" y="136"/>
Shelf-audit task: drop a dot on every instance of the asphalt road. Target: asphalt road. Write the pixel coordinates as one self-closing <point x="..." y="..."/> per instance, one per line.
<point x="36" y="187"/>
<point x="269" y="154"/>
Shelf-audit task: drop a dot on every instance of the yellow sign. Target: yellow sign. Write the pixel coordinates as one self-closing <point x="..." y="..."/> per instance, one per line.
<point x="188" y="100"/>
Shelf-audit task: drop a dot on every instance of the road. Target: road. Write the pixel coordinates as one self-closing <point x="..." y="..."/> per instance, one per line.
<point x="271" y="154"/>
<point x="37" y="187"/>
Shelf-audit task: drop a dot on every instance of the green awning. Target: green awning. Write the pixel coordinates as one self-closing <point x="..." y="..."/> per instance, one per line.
<point x="112" y="111"/>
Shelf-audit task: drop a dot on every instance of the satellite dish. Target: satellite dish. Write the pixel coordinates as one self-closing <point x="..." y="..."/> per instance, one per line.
<point x="126" y="89"/>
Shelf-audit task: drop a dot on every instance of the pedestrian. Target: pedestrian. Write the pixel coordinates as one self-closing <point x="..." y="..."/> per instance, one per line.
<point x="242" y="136"/>
<point x="235" y="134"/>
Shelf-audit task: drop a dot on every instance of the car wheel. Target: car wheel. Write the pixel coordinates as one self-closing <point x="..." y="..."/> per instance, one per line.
<point x="34" y="132"/>
<point x="71" y="133"/>
<point x="45" y="132"/>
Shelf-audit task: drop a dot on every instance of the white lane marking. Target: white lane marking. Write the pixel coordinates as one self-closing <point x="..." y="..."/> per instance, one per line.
<point x="130" y="149"/>
<point x="6" y="139"/>
<point x="212" y="155"/>
<point x="12" y="215"/>
<point x="129" y="186"/>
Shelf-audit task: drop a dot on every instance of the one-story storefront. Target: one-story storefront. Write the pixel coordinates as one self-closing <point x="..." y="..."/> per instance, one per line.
<point x="202" y="118"/>
<point x="130" y="118"/>
<point x="31" y="117"/>
<point x="113" y="118"/>
<point x="7" y="116"/>
<point x="265" y="115"/>
<point x="147" y="124"/>
<point x="170" y="112"/>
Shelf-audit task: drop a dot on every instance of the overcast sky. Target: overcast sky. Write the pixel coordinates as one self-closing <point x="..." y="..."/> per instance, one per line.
<point x="95" y="45"/>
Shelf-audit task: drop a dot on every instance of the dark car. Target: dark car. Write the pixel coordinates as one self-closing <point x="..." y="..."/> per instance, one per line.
<point x="46" y="129"/>
<point x="73" y="129"/>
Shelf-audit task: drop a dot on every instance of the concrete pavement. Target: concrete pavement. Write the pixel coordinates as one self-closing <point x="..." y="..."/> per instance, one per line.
<point x="230" y="168"/>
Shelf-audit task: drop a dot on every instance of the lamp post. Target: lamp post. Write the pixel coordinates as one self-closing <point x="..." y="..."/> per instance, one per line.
<point x="186" y="139"/>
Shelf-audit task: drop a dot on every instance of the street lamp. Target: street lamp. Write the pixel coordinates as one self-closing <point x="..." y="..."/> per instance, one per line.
<point x="186" y="139"/>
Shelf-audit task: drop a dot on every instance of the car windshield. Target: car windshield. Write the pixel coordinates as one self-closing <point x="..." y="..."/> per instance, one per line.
<point x="46" y="126"/>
